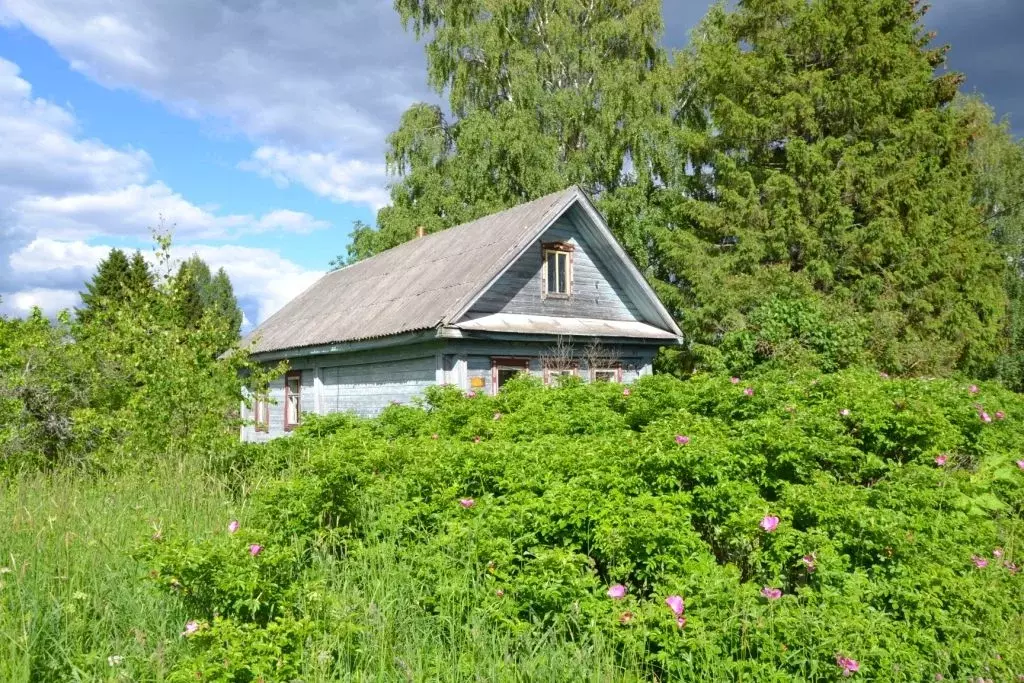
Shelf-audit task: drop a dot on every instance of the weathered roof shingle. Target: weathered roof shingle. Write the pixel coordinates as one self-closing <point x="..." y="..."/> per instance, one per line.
<point x="414" y="286"/>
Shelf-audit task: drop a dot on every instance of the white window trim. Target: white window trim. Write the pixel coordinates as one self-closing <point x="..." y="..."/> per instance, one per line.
<point x="568" y="253"/>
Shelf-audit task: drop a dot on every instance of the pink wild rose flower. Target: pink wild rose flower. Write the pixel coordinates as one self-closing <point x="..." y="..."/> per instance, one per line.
<point x="500" y="593"/>
<point x="1000" y="415"/>
<point x="676" y="604"/>
<point x="467" y="502"/>
<point x="979" y="562"/>
<point x="682" y="440"/>
<point x="848" y="665"/>
<point x="617" y="592"/>
<point x="984" y="417"/>
<point x="845" y="412"/>
<point x="255" y="549"/>
<point x="749" y="391"/>
<point x="734" y="380"/>
<point x="190" y="628"/>
<point x="997" y="553"/>
<point x="973" y="388"/>
<point x="769" y="523"/>
<point x="497" y="416"/>
<point x="771" y="593"/>
<point x="471" y="394"/>
<point x="625" y="392"/>
<point x="809" y="564"/>
<point x="233" y="526"/>
<point x="941" y="459"/>
<point x="681" y="622"/>
<point x="1020" y="464"/>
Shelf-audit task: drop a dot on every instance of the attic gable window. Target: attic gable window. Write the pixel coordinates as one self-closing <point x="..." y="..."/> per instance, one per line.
<point x="557" y="270"/>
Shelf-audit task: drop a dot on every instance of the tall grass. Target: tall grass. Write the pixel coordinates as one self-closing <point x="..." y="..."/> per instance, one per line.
<point x="76" y="606"/>
<point x="73" y="605"/>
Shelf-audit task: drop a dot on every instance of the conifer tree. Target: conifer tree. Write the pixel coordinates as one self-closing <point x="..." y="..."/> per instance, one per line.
<point x="107" y="285"/>
<point x="832" y="173"/>
<point x="222" y="302"/>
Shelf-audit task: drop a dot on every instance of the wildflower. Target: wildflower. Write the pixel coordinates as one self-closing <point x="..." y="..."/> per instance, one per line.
<point x="676" y="604"/>
<point x="979" y="562"/>
<point x="5" y="570"/>
<point x="682" y="440"/>
<point x="808" y="561"/>
<point x="233" y="526"/>
<point x="467" y="502"/>
<point x="884" y="375"/>
<point x="973" y="388"/>
<point x="997" y="553"/>
<point x="984" y="417"/>
<point x="941" y="459"/>
<point x="769" y="523"/>
<point x="626" y="617"/>
<point x="476" y="439"/>
<point x="625" y="392"/>
<point x="681" y="622"/>
<point x="434" y="437"/>
<point x="471" y="394"/>
<point x="1012" y="567"/>
<point x="500" y="593"/>
<point x="848" y="665"/>
<point x="1020" y="464"/>
<point x="255" y="549"/>
<point x="497" y="416"/>
<point x="845" y="412"/>
<point x="748" y="391"/>
<point x="190" y="628"/>
<point x="617" y="592"/>
<point x="734" y="380"/>
<point x="771" y="593"/>
<point x="115" y="660"/>
<point x="940" y="677"/>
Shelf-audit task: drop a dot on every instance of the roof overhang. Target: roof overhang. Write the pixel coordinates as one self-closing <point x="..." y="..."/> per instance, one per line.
<point x="511" y="323"/>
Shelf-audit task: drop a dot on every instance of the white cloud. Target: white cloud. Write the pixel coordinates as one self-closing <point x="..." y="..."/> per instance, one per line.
<point x="314" y="75"/>
<point x="324" y="174"/>
<point x="58" y="190"/>
<point x="263" y="280"/>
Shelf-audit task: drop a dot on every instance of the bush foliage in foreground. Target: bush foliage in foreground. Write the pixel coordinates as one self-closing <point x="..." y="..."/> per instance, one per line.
<point x="814" y="526"/>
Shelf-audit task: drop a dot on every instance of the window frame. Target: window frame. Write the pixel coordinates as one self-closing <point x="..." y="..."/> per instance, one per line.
<point x="261" y="413"/>
<point x="498" y="363"/>
<point x="616" y="371"/>
<point x="550" y="373"/>
<point x="557" y="249"/>
<point x="288" y="377"/>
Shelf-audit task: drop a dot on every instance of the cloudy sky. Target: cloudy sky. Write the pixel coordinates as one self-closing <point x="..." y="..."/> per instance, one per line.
<point x="254" y="127"/>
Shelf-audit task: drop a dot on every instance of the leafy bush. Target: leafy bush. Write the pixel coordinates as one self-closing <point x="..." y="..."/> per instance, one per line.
<point x="813" y="524"/>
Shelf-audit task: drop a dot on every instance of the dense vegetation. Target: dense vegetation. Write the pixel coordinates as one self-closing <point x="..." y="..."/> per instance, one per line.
<point x="803" y="180"/>
<point x="811" y="525"/>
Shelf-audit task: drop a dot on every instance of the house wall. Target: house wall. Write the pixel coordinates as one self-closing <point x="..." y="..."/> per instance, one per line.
<point x="366" y="383"/>
<point x="593" y="292"/>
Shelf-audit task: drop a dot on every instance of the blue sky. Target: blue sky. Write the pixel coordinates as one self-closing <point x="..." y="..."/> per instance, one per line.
<point x="258" y="129"/>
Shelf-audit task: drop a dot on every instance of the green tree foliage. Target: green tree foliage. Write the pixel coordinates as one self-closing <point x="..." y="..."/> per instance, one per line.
<point x="543" y="94"/>
<point x="832" y="170"/>
<point x="998" y="158"/>
<point x="200" y="294"/>
<point x="131" y="381"/>
<point x="116" y="280"/>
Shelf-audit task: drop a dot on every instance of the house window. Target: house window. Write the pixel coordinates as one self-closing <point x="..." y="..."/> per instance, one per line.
<point x="606" y="375"/>
<point x="504" y="369"/>
<point x="557" y="269"/>
<point x="261" y="413"/>
<point x="292" y="398"/>
<point x="551" y="374"/>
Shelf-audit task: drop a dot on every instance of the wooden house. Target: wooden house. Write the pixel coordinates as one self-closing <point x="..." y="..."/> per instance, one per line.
<point x="542" y="288"/>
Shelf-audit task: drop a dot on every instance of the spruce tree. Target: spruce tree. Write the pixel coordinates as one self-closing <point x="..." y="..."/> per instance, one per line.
<point x="139" y="279"/>
<point x="832" y="180"/>
<point x="108" y="285"/>
<point x="191" y="285"/>
<point x="222" y="302"/>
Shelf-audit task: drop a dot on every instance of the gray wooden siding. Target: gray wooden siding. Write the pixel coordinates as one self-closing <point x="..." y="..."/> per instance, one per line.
<point x="370" y="388"/>
<point x="594" y="293"/>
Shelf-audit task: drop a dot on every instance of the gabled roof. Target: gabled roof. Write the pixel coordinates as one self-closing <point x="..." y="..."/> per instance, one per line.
<point x="426" y="283"/>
